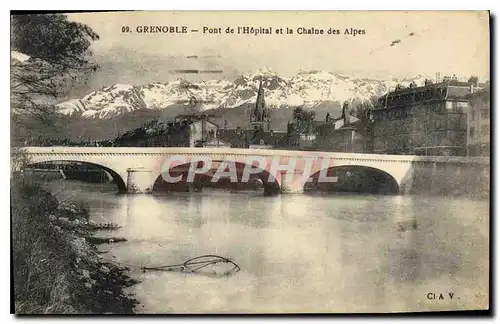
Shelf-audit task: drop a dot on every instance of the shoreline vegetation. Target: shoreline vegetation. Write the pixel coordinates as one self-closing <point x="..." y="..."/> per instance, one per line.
<point x="57" y="268"/>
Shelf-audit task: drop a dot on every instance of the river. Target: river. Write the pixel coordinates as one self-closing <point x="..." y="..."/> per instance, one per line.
<point x="297" y="253"/>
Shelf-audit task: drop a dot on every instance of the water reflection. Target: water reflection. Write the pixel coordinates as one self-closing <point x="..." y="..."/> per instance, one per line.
<point x="325" y="253"/>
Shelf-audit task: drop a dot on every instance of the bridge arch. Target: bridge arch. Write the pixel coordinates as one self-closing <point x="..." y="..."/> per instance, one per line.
<point x="354" y="178"/>
<point x="117" y="177"/>
<point x="270" y="184"/>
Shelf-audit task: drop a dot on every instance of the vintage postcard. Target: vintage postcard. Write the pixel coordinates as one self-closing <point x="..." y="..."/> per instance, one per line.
<point x="210" y="162"/>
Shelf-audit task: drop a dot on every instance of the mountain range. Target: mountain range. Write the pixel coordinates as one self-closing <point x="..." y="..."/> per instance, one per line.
<point x="112" y="110"/>
<point x="310" y="89"/>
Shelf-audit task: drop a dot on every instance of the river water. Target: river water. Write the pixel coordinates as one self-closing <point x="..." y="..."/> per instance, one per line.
<point x="297" y="253"/>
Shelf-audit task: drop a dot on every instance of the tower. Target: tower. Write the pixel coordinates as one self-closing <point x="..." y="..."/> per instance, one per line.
<point x="259" y="118"/>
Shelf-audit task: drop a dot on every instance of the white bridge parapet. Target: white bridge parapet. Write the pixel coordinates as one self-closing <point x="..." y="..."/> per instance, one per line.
<point x="128" y="165"/>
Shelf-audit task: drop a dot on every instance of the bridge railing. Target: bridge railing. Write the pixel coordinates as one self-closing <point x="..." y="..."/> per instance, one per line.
<point x="249" y="152"/>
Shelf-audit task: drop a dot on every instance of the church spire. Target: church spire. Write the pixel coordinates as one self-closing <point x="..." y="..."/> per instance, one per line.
<point x="258" y="112"/>
<point x="260" y="115"/>
<point x="260" y="104"/>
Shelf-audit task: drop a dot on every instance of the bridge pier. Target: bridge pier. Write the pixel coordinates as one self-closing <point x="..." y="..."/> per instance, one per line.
<point x="195" y="187"/>
<point x="139" y="181"/>
<point x="404" y="189"/>
<point x="293" y="185"/>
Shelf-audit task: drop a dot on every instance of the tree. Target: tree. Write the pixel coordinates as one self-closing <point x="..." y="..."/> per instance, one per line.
<point x="57" y="54"/>
<point x="474" y="80"/>
<point x="303" y="118"/>
<point x="364" y="109"/>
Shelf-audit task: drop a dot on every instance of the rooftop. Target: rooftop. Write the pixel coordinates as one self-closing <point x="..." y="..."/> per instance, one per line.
<point x="479" y="93"/>
<point x="449" y="89"/>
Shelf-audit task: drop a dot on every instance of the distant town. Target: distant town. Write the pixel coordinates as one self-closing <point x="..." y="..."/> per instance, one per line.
<point x="449" y="117"/>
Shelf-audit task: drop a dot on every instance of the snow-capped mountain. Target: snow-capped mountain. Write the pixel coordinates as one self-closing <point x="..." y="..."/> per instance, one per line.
<point x="309" y="89"/>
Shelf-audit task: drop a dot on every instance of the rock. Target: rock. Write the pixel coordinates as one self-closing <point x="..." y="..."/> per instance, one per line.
<point x="86" y="273"/>
<point x="63" y="219"/>
<point x="111" y="240"/>
<point x="91" y="222"/>
<point x="52" y="217"/>
<point x="76" y="222"/>
<point x="104" y="269"/>
<point x="88" y="285"/>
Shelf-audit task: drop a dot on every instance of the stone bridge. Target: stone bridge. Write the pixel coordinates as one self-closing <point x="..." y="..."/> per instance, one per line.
<point x="136" y="169"/>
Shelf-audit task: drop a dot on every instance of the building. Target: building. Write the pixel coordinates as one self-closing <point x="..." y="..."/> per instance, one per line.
<point x="478" y="122"/>
<point x="343" y="134"/>
<point x="423" y="120"/>
<point x="355" y="137"/>
<point x="260" y="135"/>
<point x="216" y="142"/>
<point x="259" y="117"/>
<point x="249" y="138"/>
<point x="201" y="131"/>
<point x="236" y="137"/>
<point x="184" y="131"/>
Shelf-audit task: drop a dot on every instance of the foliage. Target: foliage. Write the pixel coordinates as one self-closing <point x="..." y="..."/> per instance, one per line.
<point x="19" y="160"/>
<point x="41" y="259"/>
<point x="55" y="269"/>
<point x="363" y="110"/>
<point x="473" y="79"/>
<point x="58" y="55"/>
<point x="303" y="118"/>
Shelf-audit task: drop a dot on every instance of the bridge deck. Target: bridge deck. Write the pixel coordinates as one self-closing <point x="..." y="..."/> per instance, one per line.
<point x="249" y="152"/>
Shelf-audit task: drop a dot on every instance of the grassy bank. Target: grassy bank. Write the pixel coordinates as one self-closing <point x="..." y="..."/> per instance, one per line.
<point x="56" y="270"/>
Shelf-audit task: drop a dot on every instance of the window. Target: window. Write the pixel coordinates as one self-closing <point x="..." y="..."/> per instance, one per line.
<point x="471" y="132"/>
<point x="485" y="129"/>
<point x="449" y="105"/>
<point x="428" y="94"/>
<point x="459" y="106"/>
<point x="485" y="113"/>
<point x="451" y="136"/>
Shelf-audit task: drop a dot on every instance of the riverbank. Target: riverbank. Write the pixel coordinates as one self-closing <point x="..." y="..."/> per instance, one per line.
<point x="56" y="268"/>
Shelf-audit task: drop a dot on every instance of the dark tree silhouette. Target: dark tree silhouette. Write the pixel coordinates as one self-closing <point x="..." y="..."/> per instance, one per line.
<point x="363" y="110"/>
<point x="303" y="118"/>
<point x="474" y="80"/>
<point x="58" y="55"/>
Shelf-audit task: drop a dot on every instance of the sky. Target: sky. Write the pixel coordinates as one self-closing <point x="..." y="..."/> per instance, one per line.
<point x="445" y="42"/>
